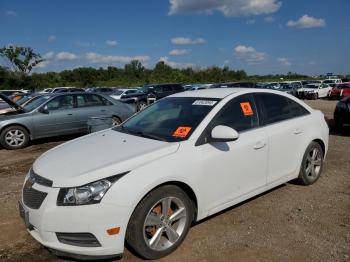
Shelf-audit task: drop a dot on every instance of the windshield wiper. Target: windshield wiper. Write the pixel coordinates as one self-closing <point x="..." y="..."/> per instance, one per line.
<point x="142" y="134"/>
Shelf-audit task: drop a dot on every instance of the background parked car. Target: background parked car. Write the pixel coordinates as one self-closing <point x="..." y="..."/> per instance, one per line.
<point x="332" y="81"/>
<point x="290" y="87"/>
<point x="342" y="113"/>
<point x="125" y="94"/>
<point x="340" y="91"/>
<point x="314" y="91"/>
<point x="57" y="114"/>
<point x="103" y="90"/>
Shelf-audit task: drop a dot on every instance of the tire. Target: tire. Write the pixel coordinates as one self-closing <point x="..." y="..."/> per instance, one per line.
<point x="312" y="164"/>
<point x="338" y="123"/>
<point x="141" y="105"/>
<point x="142" y="238"/>
<point x="116" y="121"/>
<point x="14" y="137"/>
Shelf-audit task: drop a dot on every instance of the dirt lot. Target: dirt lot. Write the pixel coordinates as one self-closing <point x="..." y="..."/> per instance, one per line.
<point x="290" y="223"/>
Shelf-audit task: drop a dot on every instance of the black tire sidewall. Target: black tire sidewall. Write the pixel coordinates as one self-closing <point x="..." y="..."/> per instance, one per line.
<point x="134" y="235"/>
<point x="303" y="177"/>
<point x="6" y="130"/>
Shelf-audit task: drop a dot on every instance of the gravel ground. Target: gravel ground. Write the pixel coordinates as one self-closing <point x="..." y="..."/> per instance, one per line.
<point x="289" y="223"/>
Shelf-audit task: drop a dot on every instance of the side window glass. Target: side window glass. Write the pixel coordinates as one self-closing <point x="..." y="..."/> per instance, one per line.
<point x="276" y="107"/>
<point x="167" y="88"/>
<point x="89" y="100"/>
<point x="60" y="103"/>
<point x="240" y="114"/>
<point x="297" y="109"/>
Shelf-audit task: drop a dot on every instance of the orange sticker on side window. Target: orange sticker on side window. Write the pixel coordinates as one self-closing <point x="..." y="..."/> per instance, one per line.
<point x="246" y="109"/>
<point x="182" y="131"/>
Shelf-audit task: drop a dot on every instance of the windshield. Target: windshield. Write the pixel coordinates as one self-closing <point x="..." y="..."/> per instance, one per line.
<point x="328" y="81"/>
<point x="118" y="92"/>
<point x="312" y="86"/>
<point x="35" y="102"/>
<point x="170" y="119"/>
<point x="286" y="86"/>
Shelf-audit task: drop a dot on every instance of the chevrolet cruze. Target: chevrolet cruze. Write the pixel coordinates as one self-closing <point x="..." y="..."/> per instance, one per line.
<point x="183" y="158"/>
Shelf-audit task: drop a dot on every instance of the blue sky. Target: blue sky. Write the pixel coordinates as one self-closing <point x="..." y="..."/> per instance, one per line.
<point x="259" y="36"/>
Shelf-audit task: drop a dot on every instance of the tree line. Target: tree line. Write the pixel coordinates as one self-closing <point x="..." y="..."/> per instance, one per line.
<point x="23" y="60"/>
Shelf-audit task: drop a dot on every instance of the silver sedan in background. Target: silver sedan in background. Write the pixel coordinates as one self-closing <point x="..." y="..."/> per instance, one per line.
<point x="57" y="114"/>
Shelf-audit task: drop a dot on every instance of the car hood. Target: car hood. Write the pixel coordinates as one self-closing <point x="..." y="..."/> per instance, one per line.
<point x="98" y="156"/>
<point x="11" y="103"/>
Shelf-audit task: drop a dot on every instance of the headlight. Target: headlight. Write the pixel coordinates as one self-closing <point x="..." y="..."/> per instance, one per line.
<point x="87" y="194"/>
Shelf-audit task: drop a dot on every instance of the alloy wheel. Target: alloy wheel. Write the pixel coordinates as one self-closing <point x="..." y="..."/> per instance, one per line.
<point x="15" y="138"/>
<point x="165" y="223"/>
<point x="313" y="163"/>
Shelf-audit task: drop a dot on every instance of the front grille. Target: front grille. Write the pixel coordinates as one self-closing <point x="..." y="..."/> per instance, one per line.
<point x="78" y="239"/>
<point x="39" y="179"/>
<point x="32" y="198"/>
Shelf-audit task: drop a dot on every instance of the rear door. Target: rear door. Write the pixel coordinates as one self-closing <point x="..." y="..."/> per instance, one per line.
<point x="284" y="122"/>
<point x="89" y="105"/>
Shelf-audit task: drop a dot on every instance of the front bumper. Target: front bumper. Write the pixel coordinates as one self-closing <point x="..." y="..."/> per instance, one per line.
<point x="49" y="219"/>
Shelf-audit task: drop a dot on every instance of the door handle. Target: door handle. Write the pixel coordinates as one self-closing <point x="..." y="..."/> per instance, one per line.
<point x="103" y="110"/>
<point x="70" y="114"/>
<point x="260" y="145"/>
<point x="297" y="131"/>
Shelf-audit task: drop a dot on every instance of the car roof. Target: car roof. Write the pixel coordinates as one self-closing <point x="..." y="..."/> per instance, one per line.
<point x="214" y="92"/>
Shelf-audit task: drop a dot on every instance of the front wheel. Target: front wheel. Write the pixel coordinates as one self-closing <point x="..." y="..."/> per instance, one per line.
<point x="14" y="137"/>
<point x="312" y="164"/>
<point x="116" y="121"/>
<point x="141" y="105"/>
<point x="160" y="222"/>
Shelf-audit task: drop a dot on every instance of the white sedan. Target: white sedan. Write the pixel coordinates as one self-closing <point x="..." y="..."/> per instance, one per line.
<point x="123" y="93"/>
<point x="182" y="159"/>
<point x="315" y="91"/>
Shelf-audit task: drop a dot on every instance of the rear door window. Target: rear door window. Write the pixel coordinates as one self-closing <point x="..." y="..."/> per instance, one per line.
<point x="89" y="100"/>
<point x="277" y="108"/>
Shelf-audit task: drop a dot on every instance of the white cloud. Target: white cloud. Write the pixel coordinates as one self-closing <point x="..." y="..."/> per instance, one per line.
<point x="312" y="63"/>
<point x="187" y="41"/>
<point x="98" y="58"/>
<point x="66" y="56"/>
<point x="177" y="52"/>
<point x="49" y="55"/>
<point x="307" y="22"/>
<point x="11" y="13"/>
<point x="284" y="61"/>
<point x="249" y="54"/>
<point x="174" y="64"/>
<point x="227" y="7"/>
<point x="51" y="38"/>
<point x="269" y="19"/>
<point x="250" y="22"/>
<point x="111" y="42"/>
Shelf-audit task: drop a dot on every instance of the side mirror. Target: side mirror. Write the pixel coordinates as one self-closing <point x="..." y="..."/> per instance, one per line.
<point x="44" y="110"/>
<point x="223" y="134"/>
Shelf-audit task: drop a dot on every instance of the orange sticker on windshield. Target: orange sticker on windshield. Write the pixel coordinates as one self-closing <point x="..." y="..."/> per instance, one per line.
<point x="246" y="109"/>
<point x="182" y="131"/>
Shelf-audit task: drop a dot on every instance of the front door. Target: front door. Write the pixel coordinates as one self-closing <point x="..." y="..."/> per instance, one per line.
<point x="57" y="118"/>
<point x="239" y="167"/>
